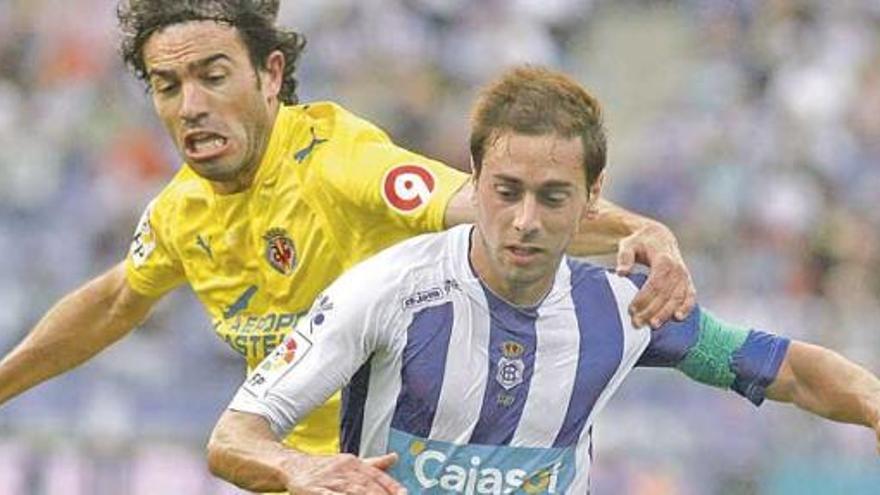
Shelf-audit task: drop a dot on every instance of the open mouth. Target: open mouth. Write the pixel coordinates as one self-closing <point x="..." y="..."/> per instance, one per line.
<point x="523" y="254"/>
<point x="204" y="145"/>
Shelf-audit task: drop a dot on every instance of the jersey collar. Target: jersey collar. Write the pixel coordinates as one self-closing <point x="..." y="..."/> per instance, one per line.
<point x="459" y="264"/>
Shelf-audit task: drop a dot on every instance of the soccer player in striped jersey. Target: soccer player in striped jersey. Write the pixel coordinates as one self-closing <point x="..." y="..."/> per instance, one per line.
<point x="476" y="360"/>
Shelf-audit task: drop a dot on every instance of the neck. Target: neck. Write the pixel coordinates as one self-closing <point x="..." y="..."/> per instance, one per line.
<point x="523" y="293"/>
<point x="240" y="183"/>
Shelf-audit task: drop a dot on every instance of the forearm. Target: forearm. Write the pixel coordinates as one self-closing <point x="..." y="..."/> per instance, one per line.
<point x="244" y="451"/>
<point x="825" y="383"/>
<point x="601" y="233"/>
<point x="75" y="329"/>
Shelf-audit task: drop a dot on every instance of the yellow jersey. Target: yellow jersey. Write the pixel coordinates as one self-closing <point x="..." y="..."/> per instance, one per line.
<point x="331" y="190"/>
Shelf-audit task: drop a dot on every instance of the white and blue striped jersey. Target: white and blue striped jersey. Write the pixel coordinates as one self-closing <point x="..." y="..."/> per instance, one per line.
<point x="475" y="395"/>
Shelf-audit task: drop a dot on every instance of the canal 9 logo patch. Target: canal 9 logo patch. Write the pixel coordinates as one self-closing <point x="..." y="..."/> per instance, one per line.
<point x="407" y="188"/>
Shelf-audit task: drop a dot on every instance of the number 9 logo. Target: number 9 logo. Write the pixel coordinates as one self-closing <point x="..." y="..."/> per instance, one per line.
<point x="407" y="187"/>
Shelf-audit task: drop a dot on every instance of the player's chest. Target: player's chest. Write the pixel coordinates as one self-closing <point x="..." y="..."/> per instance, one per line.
<point x="485" y="374"/>
<point x="258" y="255"/>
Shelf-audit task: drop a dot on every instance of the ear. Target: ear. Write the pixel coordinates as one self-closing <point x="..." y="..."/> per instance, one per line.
<point x="474" y="194"/>
<point x="273" y="74"/>
<point x="593" y="194"/>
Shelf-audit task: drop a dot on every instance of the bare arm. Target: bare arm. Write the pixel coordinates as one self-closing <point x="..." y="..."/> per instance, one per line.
<point x="244" y="450"/>
<point x="669" y="290"/>
<point x="825" y="383"/>
<point x="79" y="326"/>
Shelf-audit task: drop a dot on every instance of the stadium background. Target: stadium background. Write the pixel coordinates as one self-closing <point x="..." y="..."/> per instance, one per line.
<point x="752" y="128"/>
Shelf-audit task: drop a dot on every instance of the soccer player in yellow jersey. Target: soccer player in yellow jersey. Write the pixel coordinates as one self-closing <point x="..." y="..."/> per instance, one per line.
<point x="274" y="201"/>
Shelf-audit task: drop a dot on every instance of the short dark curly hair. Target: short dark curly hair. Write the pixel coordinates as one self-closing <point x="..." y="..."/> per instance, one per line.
<point x="254" y="19"/>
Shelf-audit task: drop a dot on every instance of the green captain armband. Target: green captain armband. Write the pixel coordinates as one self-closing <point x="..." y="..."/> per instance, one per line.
<point x="709" y="360"/>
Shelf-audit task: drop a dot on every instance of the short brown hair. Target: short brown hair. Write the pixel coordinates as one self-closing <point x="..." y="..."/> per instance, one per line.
<point x="254" y="20"/>
<point x="537" y="101"/>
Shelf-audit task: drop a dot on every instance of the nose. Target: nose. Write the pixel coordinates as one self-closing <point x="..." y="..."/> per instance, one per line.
<point x="527" y="218"/>
<point x="193" y="104"/>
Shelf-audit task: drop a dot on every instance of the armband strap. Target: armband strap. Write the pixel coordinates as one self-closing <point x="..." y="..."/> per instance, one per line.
<point x="709" y="360"/>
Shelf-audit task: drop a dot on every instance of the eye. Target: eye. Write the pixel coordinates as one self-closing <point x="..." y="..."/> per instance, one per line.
<point x="507" y="192"/>
<point x="215" y="78"/>
<point x="555" y="198"/>
<point x="164" y="88"/>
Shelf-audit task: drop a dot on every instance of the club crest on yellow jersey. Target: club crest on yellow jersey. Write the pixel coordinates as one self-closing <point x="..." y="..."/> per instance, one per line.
<point x="280" y="251"/>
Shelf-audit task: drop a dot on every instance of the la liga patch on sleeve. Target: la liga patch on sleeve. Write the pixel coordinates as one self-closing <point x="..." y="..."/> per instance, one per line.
<point x="144" y="241"/>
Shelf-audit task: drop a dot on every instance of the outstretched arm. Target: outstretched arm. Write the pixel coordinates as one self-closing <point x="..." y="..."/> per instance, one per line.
<point x="669" y="290"/>
<point x="760" y="365"/>
<point x="825" y="383"/>
<point x="79" y="326"/>
<point x="243" y="450"/>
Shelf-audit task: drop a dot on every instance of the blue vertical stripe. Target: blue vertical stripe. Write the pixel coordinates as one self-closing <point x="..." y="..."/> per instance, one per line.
<point x="354" y="397"/>
<point x="502" y="408"/>
<point x="600" y="349"/>
<point x="424" y="363"/>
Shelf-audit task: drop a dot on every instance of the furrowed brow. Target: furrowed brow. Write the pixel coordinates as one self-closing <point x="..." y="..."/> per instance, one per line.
<point x="201" y="64"/>
<point x="507" y="178"/>
<point x="198" y="64"/>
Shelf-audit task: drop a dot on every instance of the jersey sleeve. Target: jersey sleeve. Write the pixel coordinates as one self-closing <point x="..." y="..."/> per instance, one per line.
<point x="390" y="189"/>
<point x="342" y="329"/>
<point x="716" y="353"/>
<point x="151" y="266"/>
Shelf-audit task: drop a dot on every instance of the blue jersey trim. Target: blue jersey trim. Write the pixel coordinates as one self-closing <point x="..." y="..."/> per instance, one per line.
<point x="757" y="363"/>
<point x="671" y="342"/>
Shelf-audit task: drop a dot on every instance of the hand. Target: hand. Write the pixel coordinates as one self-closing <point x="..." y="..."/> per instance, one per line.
<point x="343" y="474"/>
<point x="669" y="290"/>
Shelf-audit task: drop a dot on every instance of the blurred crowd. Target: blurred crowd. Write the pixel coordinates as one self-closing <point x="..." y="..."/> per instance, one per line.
<point x="752" y="128"/>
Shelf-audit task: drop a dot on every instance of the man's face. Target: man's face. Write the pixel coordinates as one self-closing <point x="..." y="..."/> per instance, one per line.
<point x="218" y="109"/>
<point x="530" y="198"/>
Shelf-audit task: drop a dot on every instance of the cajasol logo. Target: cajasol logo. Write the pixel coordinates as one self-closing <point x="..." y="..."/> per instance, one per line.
<point x="434" y="467"/>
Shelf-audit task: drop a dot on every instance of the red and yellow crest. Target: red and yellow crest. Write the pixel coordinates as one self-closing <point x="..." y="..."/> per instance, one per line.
<point x="280" y="251"/>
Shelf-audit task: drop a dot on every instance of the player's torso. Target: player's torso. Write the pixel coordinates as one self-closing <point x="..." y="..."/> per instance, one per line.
<point x="482" y="396"/>
<point x="258" y="262"/>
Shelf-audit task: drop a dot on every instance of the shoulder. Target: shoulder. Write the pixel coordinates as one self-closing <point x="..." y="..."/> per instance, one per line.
<point x="332" y="120"/>
<point x="586" y="277"/>
<point x="184" y="188"/>
<point x="391" y="274"/>
<point x="397" y="264"/>
<point x="583" y="272"/>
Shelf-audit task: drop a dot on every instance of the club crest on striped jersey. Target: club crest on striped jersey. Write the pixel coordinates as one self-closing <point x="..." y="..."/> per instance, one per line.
<point x="407" y="188"/>
<point x="280" y="251"/>
<point x="510" y="365"/>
